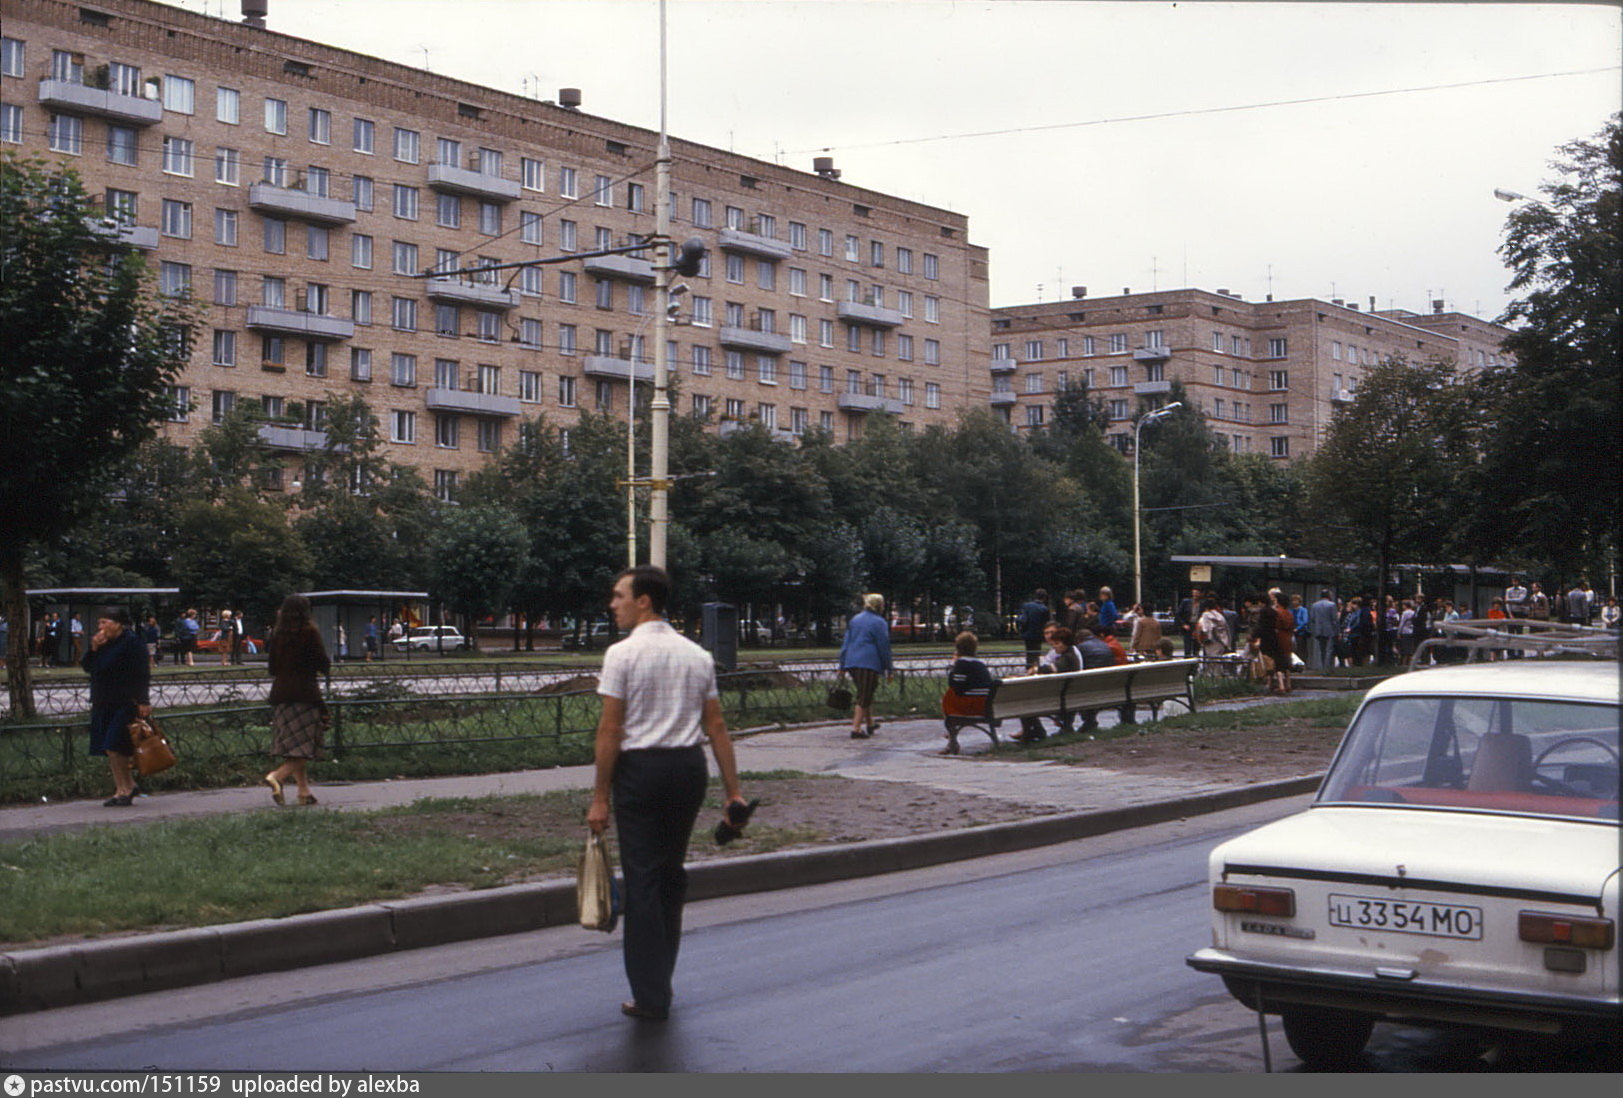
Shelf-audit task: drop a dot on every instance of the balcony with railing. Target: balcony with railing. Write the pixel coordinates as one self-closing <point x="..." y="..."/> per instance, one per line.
<point x="455" y="179"/>
<point x="1151" y="388"/>
<point x="460" y="291"/>
<point x="616" y="368"/>
<point x="754" y="339"/>
<point x="300" y="204"/>
<point x="766" y="247"/>
<point x="1004" y="398"/>
<point x="872" y="316"/>
<point x="1004" y="365"/>
<point x="113" y="231"/>
<point x="628" y="268"/>
<point x="71" y="98"/>
<point x="863" y="403"/>
<point x="1151" y="354"/>
<point x="476" y="404"/>
<point x="1341" y="396"/>
<point x="295" y="439"/>
<point x="295" y="322"/>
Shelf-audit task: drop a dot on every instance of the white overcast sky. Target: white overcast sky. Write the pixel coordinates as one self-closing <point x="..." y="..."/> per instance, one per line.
<point x="1387" y="196"/>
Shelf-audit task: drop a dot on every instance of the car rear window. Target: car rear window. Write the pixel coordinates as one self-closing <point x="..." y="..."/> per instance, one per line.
<point x="1523" y="756"/>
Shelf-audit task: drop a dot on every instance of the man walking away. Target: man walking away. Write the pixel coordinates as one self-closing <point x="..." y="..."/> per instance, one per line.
<point x="659" y="704"/>
<point x="1033" y="617"/>
<point x="1323" y="623"/>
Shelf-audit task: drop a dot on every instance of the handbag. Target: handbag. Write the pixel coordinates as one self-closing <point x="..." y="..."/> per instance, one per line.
<point x="152" y="751"/>
<point x="1261" y="666"/>
<point x="839" y="696"/>
<point x="597" y="893"/>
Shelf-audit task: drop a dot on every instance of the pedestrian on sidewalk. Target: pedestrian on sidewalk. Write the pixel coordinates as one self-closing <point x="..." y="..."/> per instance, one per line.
<point x="299" y="716"/>
<point x="660" y="703"/>
<point x="865" y="655"/>
<point x="1031" y="622"/>
<point x="120" y="681"/>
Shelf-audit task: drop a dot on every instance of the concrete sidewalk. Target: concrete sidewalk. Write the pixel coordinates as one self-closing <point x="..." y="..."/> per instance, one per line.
<point x="1085" y="801"/>
<point x="905" y="750"/>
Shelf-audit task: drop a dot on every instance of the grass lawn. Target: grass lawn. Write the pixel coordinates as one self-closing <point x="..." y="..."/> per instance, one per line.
<point x="267" y="864"/>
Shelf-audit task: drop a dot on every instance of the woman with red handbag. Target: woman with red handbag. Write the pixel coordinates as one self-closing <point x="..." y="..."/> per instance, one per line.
<point x="120" y="681"/>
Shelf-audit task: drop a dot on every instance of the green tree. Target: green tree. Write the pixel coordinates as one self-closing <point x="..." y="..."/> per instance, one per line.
<point x="1385" y="484"/>
<point x="239" y="552"/>
<point x="88" y="350"/>
<point x="1551" y="464"/>
<point x="477" y="554"/>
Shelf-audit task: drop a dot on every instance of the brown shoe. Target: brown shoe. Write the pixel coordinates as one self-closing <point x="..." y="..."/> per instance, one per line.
<point x="642" y="1013"/>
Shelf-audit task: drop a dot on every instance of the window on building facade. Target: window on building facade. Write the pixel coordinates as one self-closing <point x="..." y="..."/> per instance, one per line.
<point x="223" y="401"/>
<point x="1277" y="348"/>
<point x="1279" y="379"/>
<point x="566" y="392"/>
<point x="225" y="348"/>
<point x="276" y="116"/>
<point x="407" y="145"/>
<point x="932" y="394"/>
<point x="932" y="266"/>
<point x="405" y="202"/>
<point x="932" y="309"/>
<point x="932" y="352"/>
<point x="66" y="134"/>
<point x="1279" y="413"/>
<point x="11" y="128"/>
<point x="1118" y="375"/>
<point x="12" y="55"/>
<point x="225" y="287"/>
<point x="1279" y="446"/>
<point x="179" y="94"/>
<point x="403" y="314"/>
<point x="360" y="364"/>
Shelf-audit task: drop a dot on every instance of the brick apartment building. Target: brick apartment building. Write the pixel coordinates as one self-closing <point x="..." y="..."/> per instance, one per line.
<point x="1266" y="374"/>
<point x="294" y="189"/>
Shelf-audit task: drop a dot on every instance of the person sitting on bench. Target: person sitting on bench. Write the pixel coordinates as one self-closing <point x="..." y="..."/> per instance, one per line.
<point x="1061" y="656"/>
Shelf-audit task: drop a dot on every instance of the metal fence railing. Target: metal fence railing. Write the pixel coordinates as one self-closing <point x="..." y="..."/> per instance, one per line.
<point x="394" y="728"/>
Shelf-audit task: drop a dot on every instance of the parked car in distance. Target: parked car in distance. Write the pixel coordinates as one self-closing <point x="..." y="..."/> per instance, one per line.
<point x="431" y="638"/>
<point x="1459" y="868"/>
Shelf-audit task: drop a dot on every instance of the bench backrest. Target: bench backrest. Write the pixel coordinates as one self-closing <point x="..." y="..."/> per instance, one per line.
<point x="1100" y="688"/>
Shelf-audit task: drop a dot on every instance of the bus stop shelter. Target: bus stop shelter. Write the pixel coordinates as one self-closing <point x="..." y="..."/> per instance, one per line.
<point x="341" y="616"/>
<point x="68" y="601"/>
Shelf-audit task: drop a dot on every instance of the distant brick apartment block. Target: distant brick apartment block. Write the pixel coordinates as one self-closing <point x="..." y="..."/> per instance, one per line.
<point x="293" y="189"/>
<point x="1267" y="374"/>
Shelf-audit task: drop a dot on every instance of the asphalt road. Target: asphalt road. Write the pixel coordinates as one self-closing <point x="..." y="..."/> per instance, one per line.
<point x="1068" y="958"/>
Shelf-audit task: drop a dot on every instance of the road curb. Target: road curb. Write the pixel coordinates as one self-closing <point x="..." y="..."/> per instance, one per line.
<point x="84" y="972"/>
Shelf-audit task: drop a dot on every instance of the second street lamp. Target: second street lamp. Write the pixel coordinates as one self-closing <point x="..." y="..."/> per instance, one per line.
<point x="1138" y="561"/>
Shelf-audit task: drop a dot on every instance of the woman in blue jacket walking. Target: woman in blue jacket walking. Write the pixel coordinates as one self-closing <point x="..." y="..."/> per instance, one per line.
<point x="865" y="654"/>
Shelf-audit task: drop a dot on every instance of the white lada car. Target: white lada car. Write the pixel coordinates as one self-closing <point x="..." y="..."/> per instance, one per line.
<point x="1459" y="867"/>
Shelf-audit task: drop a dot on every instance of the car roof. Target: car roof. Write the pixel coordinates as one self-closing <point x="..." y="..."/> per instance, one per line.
<point x="1551" y="680"/>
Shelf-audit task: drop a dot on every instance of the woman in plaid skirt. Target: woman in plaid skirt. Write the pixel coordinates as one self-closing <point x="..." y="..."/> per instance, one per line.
<point x="298" y="714"/>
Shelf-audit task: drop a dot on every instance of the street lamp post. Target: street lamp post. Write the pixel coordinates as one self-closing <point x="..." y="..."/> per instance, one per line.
<point x="1138" y="561"/>
<point x="660" y="409"/>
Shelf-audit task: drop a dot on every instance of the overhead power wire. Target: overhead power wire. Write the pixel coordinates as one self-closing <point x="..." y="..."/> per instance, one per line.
<point x="1194" y="111"/>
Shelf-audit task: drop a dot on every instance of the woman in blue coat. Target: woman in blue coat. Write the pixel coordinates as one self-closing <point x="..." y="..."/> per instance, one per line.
<point x="864" y="655"/>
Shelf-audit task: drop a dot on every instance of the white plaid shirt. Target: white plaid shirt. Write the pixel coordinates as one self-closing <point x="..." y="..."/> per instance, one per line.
<point x="664" y="680"/>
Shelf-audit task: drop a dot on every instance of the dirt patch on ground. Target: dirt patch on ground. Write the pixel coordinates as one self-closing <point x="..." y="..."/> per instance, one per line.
<point x="1242" y="746"/>
<point x="794" y="812"/>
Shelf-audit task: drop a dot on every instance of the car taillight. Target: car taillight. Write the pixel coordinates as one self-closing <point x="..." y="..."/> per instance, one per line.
<point x="1254" y="901"/>
<point x="1572" y="930"/>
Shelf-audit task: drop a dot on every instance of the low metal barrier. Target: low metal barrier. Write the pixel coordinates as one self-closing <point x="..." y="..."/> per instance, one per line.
<point x="387" y="728"/>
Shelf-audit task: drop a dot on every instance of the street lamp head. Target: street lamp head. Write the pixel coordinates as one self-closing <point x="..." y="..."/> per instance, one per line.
<point x="1508" y="196"/>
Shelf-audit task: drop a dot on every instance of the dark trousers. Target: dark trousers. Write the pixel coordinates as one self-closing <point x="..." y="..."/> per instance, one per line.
<point x="657" y="794"/>
<point x="1034" y="649"/>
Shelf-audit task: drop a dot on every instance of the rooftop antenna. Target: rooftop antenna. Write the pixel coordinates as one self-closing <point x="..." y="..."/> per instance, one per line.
<point x="1155" y="271"/>
<point x="1039" y="293"/>
<point x="425" y="58"/>
<point x="1271" y="283"/>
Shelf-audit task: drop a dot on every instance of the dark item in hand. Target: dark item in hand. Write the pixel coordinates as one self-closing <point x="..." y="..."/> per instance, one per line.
<point x="732" y="826"/>
<point x="839" y="698"/>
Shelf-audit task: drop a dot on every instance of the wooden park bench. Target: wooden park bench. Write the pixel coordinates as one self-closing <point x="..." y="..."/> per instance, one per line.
<point x="1150" y="682"/>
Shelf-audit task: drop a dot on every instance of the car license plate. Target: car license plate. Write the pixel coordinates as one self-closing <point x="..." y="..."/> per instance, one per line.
<point x="1406" y="916"/>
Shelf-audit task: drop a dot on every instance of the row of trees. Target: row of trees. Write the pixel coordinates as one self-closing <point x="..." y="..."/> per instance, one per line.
<point x="1517" y="465"/>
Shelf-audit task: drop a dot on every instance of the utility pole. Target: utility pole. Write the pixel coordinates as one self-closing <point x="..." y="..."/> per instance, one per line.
<point x="660" y="410"/>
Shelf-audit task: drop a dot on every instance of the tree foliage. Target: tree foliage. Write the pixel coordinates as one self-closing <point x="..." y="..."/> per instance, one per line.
<point x="87" y="352"/>
<point x="1552" y="458"/>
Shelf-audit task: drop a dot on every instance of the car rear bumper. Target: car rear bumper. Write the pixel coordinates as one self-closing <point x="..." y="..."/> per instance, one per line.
<point x="1280" y="986"/>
